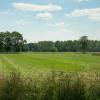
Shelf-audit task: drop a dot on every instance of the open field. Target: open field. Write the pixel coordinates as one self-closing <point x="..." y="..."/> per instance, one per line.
<point x="28" y="62"/>
<point x="41" y="81"/>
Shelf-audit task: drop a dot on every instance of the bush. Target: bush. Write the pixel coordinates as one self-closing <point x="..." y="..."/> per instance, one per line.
<point x="13" y="88"/>
<point x="96" y="54"/>
<point x="54" y="86"/>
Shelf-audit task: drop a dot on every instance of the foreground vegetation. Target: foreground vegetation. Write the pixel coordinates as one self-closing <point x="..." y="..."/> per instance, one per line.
<point x="44" y="62"/>
<point x="53" y="86"/>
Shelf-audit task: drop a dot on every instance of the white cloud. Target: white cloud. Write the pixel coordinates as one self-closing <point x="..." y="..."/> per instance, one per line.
<point x="59" y="25"/>
<point x="36" y="7"/>
<point x="22" y="22"/>
<point x="63" y="27"/>
<point x="93" y="14"/>
<point x="54" y="35"/>
<point x="44" y="16"/>
<point x="61" y="35"/>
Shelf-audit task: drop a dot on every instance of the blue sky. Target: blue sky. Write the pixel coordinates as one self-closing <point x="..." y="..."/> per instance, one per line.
<point x="52" y="20"/>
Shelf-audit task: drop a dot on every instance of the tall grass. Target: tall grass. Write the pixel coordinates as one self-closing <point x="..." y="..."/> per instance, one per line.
<point x="54" y="86"/>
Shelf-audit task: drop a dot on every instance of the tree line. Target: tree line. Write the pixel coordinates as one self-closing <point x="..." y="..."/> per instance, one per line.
<point x="14" y="42"/>
<point x="11" y="42"/>
<point x="81" y="45"/>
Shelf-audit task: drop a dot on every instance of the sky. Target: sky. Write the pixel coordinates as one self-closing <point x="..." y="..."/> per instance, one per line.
<point x="51" y="20"/>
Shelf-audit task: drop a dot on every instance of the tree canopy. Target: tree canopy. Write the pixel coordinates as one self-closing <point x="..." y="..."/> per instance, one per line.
<point x="84" y="43"/>
<point x="14" y="42"/>
<point x="11" y="41"/>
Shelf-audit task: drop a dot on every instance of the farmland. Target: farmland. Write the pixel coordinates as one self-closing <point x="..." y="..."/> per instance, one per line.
<point x="47" y="61"/>
<point x="49" y="76"/>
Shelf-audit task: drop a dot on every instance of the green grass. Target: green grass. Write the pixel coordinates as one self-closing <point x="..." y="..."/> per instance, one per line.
<point x="33" y="62"/>
<point x="52" y="83"/>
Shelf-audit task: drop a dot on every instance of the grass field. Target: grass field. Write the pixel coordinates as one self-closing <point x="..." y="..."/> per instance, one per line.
<point x="29" y="62"/>
<point x="36" y="77"/>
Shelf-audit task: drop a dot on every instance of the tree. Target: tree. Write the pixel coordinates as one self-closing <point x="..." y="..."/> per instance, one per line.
<point x="84" y="43"/>
<point x="46" y="46"/>
<point x="11" y="42"/>
<point x="1" y="41"/>
<point x="24" y="47"/>
<point x="17" y="41"/>
<point x="59" y="45"/>
<point x="7" y="41"/>
<point x="14" y="42"/>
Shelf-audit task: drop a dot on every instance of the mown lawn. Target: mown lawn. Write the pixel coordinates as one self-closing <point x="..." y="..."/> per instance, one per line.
<point x="33" y="62"/>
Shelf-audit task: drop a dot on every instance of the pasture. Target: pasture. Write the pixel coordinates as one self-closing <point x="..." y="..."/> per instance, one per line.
<point x="49" y="61"/>
<point x="49" y="76"/>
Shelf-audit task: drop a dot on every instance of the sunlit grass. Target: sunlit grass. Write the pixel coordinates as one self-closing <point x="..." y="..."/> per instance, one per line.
<point x="34" y="62"/>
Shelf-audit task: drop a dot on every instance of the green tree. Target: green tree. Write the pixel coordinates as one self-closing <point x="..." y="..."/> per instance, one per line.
<point x="84" y="43"/>
<point x="1" y="41"/>
<point x="7" y="41"/>
<point x="46" y="46"/>
<point x="11" y="42"/>
<point x="17" y="41"/>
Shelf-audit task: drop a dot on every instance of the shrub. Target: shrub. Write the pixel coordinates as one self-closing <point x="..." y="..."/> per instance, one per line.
<point x="54" y="86"/>
<point x="96" y="54"/>
<point x="13" y="88"/>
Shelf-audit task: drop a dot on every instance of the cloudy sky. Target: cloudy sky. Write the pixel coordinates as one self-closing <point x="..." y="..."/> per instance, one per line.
<point x="51" y="19"/>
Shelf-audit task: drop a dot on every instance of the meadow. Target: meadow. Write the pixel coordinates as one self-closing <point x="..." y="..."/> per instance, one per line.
<point x="49" y="61"/>
<point x="50" y="76"/>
